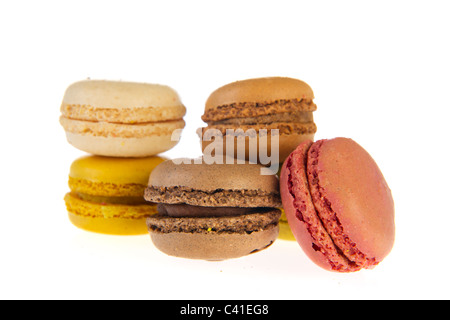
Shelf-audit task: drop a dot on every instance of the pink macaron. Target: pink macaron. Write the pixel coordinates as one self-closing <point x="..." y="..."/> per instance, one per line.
<point x="338" y="204"/>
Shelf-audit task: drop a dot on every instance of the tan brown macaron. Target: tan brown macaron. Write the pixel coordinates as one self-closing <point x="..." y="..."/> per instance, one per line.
<point x="212" y="211"/>
<point x="279" y="103"/>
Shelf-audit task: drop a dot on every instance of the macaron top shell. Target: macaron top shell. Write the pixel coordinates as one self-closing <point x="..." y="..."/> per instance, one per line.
<point x="346" y="182"/>
<point x="114" y="170"/>
<point x="120" y="94"/>
<point x="211" y="177"/>
<point x="259" y="90"/>
<point x="121" y="102"/>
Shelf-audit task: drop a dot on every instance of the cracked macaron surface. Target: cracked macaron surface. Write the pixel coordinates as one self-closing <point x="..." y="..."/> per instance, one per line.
<point x="338" y="204"/>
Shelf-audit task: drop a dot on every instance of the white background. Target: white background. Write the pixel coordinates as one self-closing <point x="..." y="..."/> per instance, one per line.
<point x="380" y="73"/>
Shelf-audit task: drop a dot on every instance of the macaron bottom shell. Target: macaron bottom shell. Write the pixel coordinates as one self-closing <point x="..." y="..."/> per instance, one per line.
<point x="214" y="238"/>
<point x="115" y="226"/>
<point x="213" y="246"/>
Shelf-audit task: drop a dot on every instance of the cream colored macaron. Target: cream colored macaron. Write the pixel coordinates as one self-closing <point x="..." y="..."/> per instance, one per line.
<point x="121" y="119"/>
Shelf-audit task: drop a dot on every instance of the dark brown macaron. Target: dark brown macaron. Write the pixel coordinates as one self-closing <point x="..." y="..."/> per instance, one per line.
<point x="212" y="211"/>
<point x="260" y="104"/>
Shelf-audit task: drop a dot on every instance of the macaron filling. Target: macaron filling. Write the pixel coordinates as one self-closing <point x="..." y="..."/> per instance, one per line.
<point x="185" y="210"/>
<point x="285" y="128"/>
<point x="287" y="116"/>
<point x="105" y="189"/>
<point x="300" y="117"/>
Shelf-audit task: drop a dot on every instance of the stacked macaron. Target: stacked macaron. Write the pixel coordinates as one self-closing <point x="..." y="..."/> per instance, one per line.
<point x="124" y="125"/>
<point x="282" y="104"/>
<point x="212" y="211"/>
<point x="107" y="194"/>
<point x="121" y="119"/>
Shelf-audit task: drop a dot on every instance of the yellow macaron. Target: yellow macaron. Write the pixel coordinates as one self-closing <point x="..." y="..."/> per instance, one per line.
<point x="107" y="194"/>
<point x="121" y="119"/>
<point x="285" y="230"/>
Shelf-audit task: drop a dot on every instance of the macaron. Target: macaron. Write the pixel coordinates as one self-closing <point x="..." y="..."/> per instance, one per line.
<point x="121" y="119"/>
<point x="212" y="211"/>
<point x="107" y="194"/>
<point x="254" y="105"/>
<point x="338" y="204"/>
